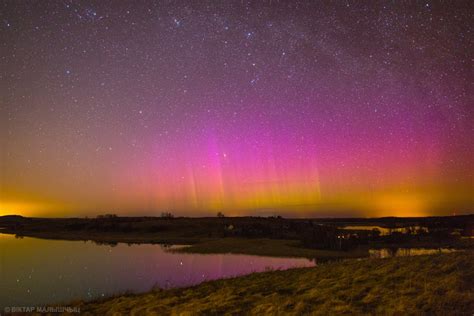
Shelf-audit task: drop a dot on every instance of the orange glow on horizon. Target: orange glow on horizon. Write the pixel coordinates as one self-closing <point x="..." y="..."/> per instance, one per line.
<point x="401" y="205"/>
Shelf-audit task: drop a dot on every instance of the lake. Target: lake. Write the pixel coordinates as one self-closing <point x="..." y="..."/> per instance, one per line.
<point x="406" y="252"/>
<point x="40" y="271"/>
<point x="384" y="231"/>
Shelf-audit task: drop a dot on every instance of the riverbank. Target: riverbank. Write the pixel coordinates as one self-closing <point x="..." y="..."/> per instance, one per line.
<point x="269" y="247"/>
<point x="244" y="246"/>
<point x="437" y="284"/>
<point x="308" y="238"/>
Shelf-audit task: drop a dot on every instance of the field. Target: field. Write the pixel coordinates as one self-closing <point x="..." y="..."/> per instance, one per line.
<point x="432" y="285"/>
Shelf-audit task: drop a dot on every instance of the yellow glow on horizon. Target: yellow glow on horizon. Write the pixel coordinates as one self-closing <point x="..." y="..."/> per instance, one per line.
<point x="21" y="208"/>
<point x="300" y="199"/>
<point x="28" y="209"/>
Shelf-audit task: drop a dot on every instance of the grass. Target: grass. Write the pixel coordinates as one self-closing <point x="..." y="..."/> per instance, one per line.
<point x="423" y="285"/>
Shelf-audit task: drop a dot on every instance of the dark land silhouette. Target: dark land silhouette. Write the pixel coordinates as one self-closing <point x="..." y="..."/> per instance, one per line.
<point x="338" y="237"/>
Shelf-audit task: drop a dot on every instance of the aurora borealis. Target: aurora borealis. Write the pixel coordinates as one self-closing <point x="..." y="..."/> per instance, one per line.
<point x="318" y="108"/>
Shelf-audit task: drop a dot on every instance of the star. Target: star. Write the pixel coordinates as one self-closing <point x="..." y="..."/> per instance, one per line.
<point x="373" y="101"/>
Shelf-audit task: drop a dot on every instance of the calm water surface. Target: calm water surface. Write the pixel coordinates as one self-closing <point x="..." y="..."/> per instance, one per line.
<point x="384" y="231"/>
<point x="39" y="271"/>
<point x="406" y="252"/>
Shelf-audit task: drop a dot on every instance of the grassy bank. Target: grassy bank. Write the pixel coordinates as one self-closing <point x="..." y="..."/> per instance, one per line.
<point x="438" y="284"/>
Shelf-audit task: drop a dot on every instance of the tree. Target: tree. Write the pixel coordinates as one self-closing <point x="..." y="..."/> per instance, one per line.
<point x="107" y="216"/>
<point x="220" y="214"/>
<point x="167" y="215"/>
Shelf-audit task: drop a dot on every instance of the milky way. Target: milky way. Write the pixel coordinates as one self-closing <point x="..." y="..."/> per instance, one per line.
<point x="295" y="108"/>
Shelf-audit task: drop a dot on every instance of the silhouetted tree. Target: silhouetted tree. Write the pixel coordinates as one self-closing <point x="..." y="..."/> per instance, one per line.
<point x="107" y="216"/>
<point x="167" y="215"/>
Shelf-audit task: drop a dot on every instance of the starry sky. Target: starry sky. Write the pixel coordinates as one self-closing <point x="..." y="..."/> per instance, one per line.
<point x="317" y="108"/>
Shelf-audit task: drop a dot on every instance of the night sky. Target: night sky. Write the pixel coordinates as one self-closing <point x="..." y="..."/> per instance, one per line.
<point x="318" y="108"/>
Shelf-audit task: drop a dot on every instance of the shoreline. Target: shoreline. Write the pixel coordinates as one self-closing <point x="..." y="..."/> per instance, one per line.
<point x="251" y="246"/>
<point x="277" y="237"/>
<point x="427" y="284"/>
